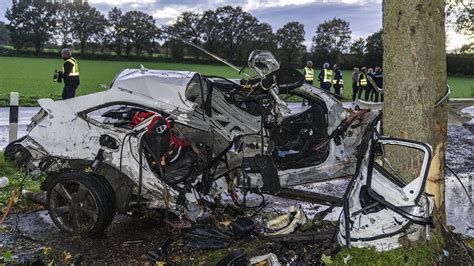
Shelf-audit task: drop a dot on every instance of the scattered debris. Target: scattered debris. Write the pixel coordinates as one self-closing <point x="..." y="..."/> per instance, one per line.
<point x="346" y="259"/>
<point x="160" y="256"/>
<point x="4" y="181"/>
<point x="37" y="197"/>
<point x="132" y="242"/>
<point x="7" y="209"/>
<point x="287" y="223"/>
<point x="67" y="257"/>
<point x="269" y="259"/>
<point x="176" y="226"/>
<point x="242" y="227"/>
<point x="305" y="237"/>
<point x="207" y="237"/>
<point x="445" y="253"/>
<point x="234" y="259"/>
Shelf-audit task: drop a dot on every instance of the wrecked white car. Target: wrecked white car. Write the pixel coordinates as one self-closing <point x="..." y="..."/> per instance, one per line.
<point x="179" y="140"/>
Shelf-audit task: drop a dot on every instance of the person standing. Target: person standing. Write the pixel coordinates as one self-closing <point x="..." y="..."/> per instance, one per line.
<point x="70" y="74"/>
<point x="337" y="81"/>
<point x="309" y="73"/>
<point x="362" y="79"/>
<point x="355" y="83"/>
<point x="325" y="77"/>
<point x="308" y="76"/>
<point x="370" y="84"/>
<point x="378" y="78"/>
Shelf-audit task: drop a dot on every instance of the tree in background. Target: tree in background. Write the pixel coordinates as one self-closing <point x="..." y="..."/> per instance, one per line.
<point x="467" y="48"/>
<point x="264" y="38"/>
<point x="374" y="49"/>
<point x="234" y="28"/>
<point x="461" y="14"/>
<point x="64" y="23"/>
<point x="115" y="30"/>
<point x="31" y="22"/>
<point x="87" y="22"/>
<point x="358" y="47"/>
<point x="332" y="38"/>
<point x="415" y="78"/>
<point x="139" y="31"/>
<point x="210" y="31"/>
<point x="290" y="40"/>
<point x="101" y="40"/>
<point x="4" y="34"/>
<point x="188" y="26"/>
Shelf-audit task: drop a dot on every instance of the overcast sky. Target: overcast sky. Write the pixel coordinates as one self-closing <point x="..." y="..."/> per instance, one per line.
<point x="364" y="16"/>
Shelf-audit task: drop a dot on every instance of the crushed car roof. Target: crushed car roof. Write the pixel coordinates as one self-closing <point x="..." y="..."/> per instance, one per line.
<point x="161" y="85"/>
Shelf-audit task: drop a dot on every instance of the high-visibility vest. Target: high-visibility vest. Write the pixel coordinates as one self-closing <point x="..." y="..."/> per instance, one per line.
<point x="309" y="74"/>
<point x="363" y="80"/>
<point x="75" y="67"/>
<point x="327" y="75"/>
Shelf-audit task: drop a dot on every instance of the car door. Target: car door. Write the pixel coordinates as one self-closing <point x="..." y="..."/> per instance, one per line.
<point x="380" y="202"/>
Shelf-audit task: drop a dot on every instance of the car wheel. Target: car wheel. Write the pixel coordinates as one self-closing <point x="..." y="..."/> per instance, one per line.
<point x="81" y="203"/>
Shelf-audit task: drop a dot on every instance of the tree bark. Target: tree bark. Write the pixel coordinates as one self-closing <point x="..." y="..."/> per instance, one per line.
<point x="414" y="79"/>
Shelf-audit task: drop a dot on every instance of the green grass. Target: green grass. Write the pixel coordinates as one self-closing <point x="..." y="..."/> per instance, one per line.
<point x="461" y="87"/>
<point x="32" y="77"/>
<point x="15" y="177"/>
<point x="420" y="252"/>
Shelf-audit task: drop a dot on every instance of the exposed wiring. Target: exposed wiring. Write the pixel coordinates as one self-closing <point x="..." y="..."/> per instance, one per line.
<point x="460" y="182"/>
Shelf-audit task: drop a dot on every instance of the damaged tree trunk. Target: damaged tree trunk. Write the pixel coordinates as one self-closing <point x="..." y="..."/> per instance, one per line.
<point x="414" y="80"/>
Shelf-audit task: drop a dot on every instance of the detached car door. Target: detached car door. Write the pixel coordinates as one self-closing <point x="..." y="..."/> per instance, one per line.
<point x="381" y="200"/>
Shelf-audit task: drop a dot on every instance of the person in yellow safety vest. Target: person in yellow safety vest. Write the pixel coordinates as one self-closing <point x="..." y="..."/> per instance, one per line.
<point x="362" y="79"/>
<point x="70" y="74"/>
<point x="308" y="76"/>
<point x="309" y="73"/>
<point x="325" y="77"/>
<point x="338" y="82"/>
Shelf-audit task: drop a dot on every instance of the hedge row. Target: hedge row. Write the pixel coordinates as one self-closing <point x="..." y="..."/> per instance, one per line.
<point x="457" y="64"/>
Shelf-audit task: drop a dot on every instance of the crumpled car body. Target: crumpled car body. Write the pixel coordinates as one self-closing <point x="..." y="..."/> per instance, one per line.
<point x="173" y="140"/>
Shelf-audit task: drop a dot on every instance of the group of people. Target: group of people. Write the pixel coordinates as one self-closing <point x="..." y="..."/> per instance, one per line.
<point x="325" y="77"/>
<point x="369" y="82"/>
<point x="365" y="81"/>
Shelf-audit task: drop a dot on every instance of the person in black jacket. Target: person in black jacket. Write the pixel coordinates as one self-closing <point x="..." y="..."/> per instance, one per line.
<point x="70" y="74"/>
<point x="337" y="81"/>
<point x="355" y="84"/>
<point x="378" y="78"/>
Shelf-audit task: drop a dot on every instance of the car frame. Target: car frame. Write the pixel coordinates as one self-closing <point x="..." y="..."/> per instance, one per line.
<point x="239" y="133"/>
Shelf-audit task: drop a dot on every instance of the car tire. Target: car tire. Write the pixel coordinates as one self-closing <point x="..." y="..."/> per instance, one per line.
<point x="80" y="203"/>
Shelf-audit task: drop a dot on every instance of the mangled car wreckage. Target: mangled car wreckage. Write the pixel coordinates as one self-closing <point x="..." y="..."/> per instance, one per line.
<point x="178" y="140"/>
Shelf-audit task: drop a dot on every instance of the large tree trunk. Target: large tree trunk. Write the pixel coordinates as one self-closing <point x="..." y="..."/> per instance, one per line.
<point x="415" y="78"/>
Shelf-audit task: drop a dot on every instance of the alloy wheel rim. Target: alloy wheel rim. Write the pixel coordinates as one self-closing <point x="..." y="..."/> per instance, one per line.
<point x="73" y="206"/>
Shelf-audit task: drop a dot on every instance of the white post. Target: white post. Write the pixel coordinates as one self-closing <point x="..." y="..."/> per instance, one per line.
<point x="13" y="128"/>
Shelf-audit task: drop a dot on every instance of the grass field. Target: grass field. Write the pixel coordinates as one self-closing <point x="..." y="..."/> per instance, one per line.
<point x="32" y="77"/>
